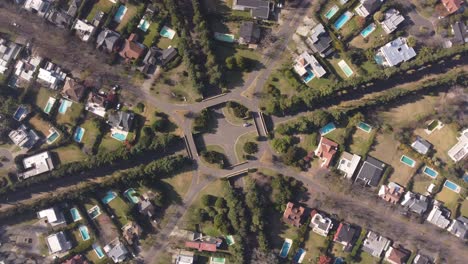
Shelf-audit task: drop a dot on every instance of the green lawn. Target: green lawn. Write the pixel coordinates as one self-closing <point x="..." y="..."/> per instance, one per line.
<point x="442" y="140"/>
<point x="337" y="251"/>
<point x="421" y="182"/>
<point x="309" y="142"/>
<point x="449" y="198"/>
<point x="131" y="12"/>
<point x="175" y="86"/>
<point x="121" y="210"/>
<point x="313" y="246"/>
<point x="109" y="143"/>
<point x="375" y="39"/>
<point x="361" y="142"/>
<point x="366" y="258"/>
<point x="464" y="208"/>
<point x="70" y="153"/>
<point x="43" y="96"/>
<point x="71" y="115"/>
<point x="164" y="43"/>
<point x="337" y="135"/>
<point x="151" y="33"/>
<point x="102" y="5"/>
<point x="90" y="134"/>
<point x="180" y="182"/>
<point x="92" y="256"/>
<point x="241" y="140"/>
<point x="40" y="125"/>
<point x="351" y="27"/>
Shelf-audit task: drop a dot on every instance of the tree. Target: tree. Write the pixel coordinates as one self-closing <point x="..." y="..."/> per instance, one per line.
<point x="378" y="16"/>
<point x="230" y="62"/>
<point x="250" y="147"/>
<point x="282" y="144"/>
<point x="207" y="200"/>
<point x="220" y="203"/>
<point x="140" y="107"/>
<point x="242" y="63"/>
<point x="411" y="41"/>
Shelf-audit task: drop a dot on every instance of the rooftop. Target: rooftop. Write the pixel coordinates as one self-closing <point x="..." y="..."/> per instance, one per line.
<point x="305" y="61"/>
<point x="201" y="246"/>
<point x="37" y="164"/>
<point x="371" y="172"/>
<point x="348" y="164"/>
<point x="258" y="8"/>
<point x="391" y="21"/>
<point x="397" y="51"/>
<point x="249" y="32"/>
<point x="58" y="243"/>
<point x="116" y="250"/>
<point x="73" y="89"/>
<point x="84" y="30"/>
<point x="53" y="215"/>
<point x="345" y="235"/>
<point x="452" y="6"/>
<point x="397" y="255"/>
<point x="459" y="227"/>
<point x="375" y="244"/>
<point x="320" y="223"/>
<point x="326" y="151"/>
<point x="24" y="137"/>
<point x="293" y="215"/>
<point x="421" y="145"/>
<point x="319" y="40"/>
<point x="391" y="193"/>
<point x="460" y="149"/>
<point x="416" y="203"/>
<point x="439" y="217"/>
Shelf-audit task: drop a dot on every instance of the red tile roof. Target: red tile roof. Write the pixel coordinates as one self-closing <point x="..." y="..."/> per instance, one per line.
<point x="293" y="215"/>
<point x="201" y="246"/>
<point x="77" y="259"/>
<point x="324" y="260"/>
<point x="326" y="150"/>
<point x="452" y="6"/>
<point x="132" y="50"/>
<point x="398" y="255"/>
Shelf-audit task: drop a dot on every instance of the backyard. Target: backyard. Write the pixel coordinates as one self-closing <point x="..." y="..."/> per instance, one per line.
<point x="361" y="142"/>
<point x="70" y="153"/>
<point x="43" y="95"/>
<point x="464" y="208"/>
<point x="449" y="198"/>
<point x="421" y="182"/>
<point x="101" y="5"/>
<point x="90" y="134"/>
<point x="109" y="143"/>
<point x="120" y="209"/>
<point x="40" y="125"/>
<point x="309" y="141"/>
<point x="172" y="86"/>
<point x="442" y="139"/>
<point x="314" y="246"/>
<point x="131" y="12"/>
<point x="70" y="117"/>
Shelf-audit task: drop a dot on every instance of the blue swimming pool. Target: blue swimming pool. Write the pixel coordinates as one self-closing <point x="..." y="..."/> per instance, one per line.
<point x="94" y="212"/>
<point x="465" y="177"/>
<point x="79" y="134"/>
<point x="430" y="172"/>
<point x="452" y="186"/>
<point x="20" y="113"/>
<point x="84" y="232"/>
<point x="379" y="59"/>
<point x="407" y="160"/>
<point x="64" y="106"/>
<point x="299" y="256"/>
<point x="110" y="195"/>
<point x="98" y="251"/>
<point x="339" y="261"/>
<point x="119" y="136"/>
<point x="327" y="129"/>
<point x="144" y="25"/>
<point x="285" y="248"/>
<point x="365" y="127"/>
<point x="339" y="23"/>
<point x="52" y="137"/>
<point x="131" y="195"/>
<point x="367" y="30"/>
<point x="332" y="11"/>
<point x="167" y="32"/>
<point x="120" y="13"/>
<point x="76" y="216"/>
<point x="309" y="76"/>
<point x="12" y="82"/>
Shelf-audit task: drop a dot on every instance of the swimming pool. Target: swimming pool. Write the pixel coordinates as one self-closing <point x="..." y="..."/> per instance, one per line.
<point x="367" y="30"/>
<point x="299" y="257"/>
<point x="345" y="68"/>
<point x="64" y="106"/>
<point x="167" y="32"/>
<point x="110" y="195"/>
<point x="465" y="177"/>
<point x="84" y="232"/>
<point x="407" y="160"/>
<point x="379" y="59"/>
<point x="79" y="134"/>
<point x="332" y="11"/>
<point x="76" y="216"/>
<point x="94" y="212"/>
<point x="339" y="261"/>
<point x="119" y="136"/>
<point x="310" y="75"/>
<point x="98" y="251"/>
<point x="327" y="129"/>
<point x="144" y="24"/>
<point x="131" y="195"/>
<point x="229" y="38"/>
<point x="230" y="240"/>
<point x="364" y="126"/>
<point x="120" y="13"/>
<point x="285" y="248"/>
<point x="452" y="186"/>
<point x="12" y="82"/>
<point x="49" y="105"/>
<point x="339" y="23"/>
<point x="53" y="136"/>
<point x="430" y="172"/>
<point x="20" y="113"/>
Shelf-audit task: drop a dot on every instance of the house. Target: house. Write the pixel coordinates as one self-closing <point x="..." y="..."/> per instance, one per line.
<point x="460" y="149"/>
<point x="54" y="216"/>
<point x="392" y="19"/>
<point x="258" y="8"/>
<point x="156" y="56"/>
<point x="324" y="260"/>
<point x="452" y="6"/>
<point x="116" y="250"/>
<point x="293" y="215"/>
<point x="320" y="223"/>
<point x="132" y="50"/>
<point x="121" y="120"/>
<point x="326" y="150"/>
<point x="36" y="164"/>
<point x="74" y="6"/>
<point x="308" y="67"/>
<point x="375" y="244"/>
<point x="40" y="7"/>
<point x="108" y="40"/>
<point x="96" y="104"/>
<point x="460" y="33"/>
<point x="201" y="246"/>
<point x="58" y="243"/>
<point x="9" y="51"/>
<point x="249" y="33"/>
<point x="131" y="232"/>
<point x="77" y="259"/>
<point x="185" y="257"/>
<point x="52" y="75"/>
<point x="84" y="30"/>
<point x="421" y="259"/>
<point x="439" y="216"/>
<point x="73" y="90"/>
<point x="146" y="207"/>
<point x="320" y="41"/>
<point x="23" y="137"/>
<point x="348" y="164"/>
<point x="397" y="255"/>
<point x="368" y="7"/>
<point x="371" y="172"/>
<point x="416" y="203"/>
<point x="421" y="145"/>
<point x="59" y="18"/>
<point x="25" y="68"/>
<point x="459" y="227"/>
<point x="346" y="235"/>
<point x="391" y="193"/>
<point x="395" y="52"/>
<point x="98" y="18"/>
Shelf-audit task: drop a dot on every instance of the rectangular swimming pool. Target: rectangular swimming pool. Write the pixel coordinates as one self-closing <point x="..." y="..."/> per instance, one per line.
<point x="20" y="113"/>
<point x="345" y="68"/>
<point x="131" y="195"/>
<point x="332" y="11"/>
<point x="94" y="212"/>
<point x="76" y="216"/>
<point x="64" y="106"/>
<point x="430" y="172"/>
<point x="327" y="129"/>
<point x="299" y="256"/>
<point x="407" y="161"/>
<point x="144" y="25"/>
<point x="110" y="195"/>
<point x="342" y="20"/>
<point x="452" y="186"/>
<point x="230" y="240"/>
<point x="49" y="105"/>
<point x="84" y="232"/>
<point x="53" y="136"/>
<point x="367" y="30"/>
<point x="167" y="32"/>
<point x="120" y="13"/>
<point x="364" y="127"/>
<point x="98" y="251"/>
<point x="79" y="133"/>
<point x="229" y="38"/>
<point x="285" y="248"/>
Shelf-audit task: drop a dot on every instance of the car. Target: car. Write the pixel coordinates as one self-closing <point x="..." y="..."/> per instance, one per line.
<point x="119" y="105"/>
<point x="116" y="87"/>
<point x="247" y="124"/>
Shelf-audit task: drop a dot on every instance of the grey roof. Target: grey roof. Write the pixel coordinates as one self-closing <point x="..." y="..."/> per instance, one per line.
<point x="146" y="207"/>
<point x="122" y="120"/>
<point x="157" y="56"/>
<point x="118" y="253"/>
<point x="439" y="217"/>
<point x="107" y="39"/>
<point x="319" y="40"/>
<point x="416" y="203"/>
<point x="397" y="51"/>
<point x="421" y="259"/>
<point x="249" y="32"/>
<point x="346" y="233"/>
<point x="375" y="244"/>
<point x="421" y="145"/>
<point x="392" y="19"/>
<point x="460" y="32"/>
<point x="371" y="171"/>
<point x="371" y="5"/>
<point x="59" y="18"/>
<point x="74" y="6"/>
<point x="459" y="227"/>
<point x="259" y="8"/>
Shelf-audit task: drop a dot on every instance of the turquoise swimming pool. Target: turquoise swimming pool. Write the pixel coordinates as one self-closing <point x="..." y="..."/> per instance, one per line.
<point x="119" y="136"/>
<point x="229" y="38"/>
<point x="341" y="21"/>
<point x="52" y="137"/>
<point x="345" y="68"/>
<point x="64" y="106"/>
<point x="98" y="251"/>
<point x="452" y="186"/>
<point x="84" y="232"/>
<point x="131" y="195"/>
<point x="94" y="212"/>
<point x="367" y="30"/>
<point x="167" y="32"/>
<point x="110" y="195"/>
<point x="79" y="134"/>
<point x="364" y="126"/>
<point x="49" y="105"/>
<point x="430" y="172"/>
<point x="407" y="161"/>
<point x="120" y="13"/>
<point x="327" y="129"/>
<point x="285" y="248"/>
<point x="299" y="256"/>
<point x="144" y="24"/>
<point x="309" y="76"/>
<point x="332" y="11"/>
<point x="76" y="216"/>
<point x="379" y="59"/>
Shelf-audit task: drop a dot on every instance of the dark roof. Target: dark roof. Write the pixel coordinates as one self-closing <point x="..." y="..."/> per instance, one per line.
<point x="74" y="6"/>
<point x="59" y="18"/>
<point x="345" y="233"/>
<point x="122" y="120"/>
<point x="371" y="5"/>
<point x="421" y="259"/>
<point x="108" y="40"/>
<point x="460" y="32"/>
<point x="73" y="90"/>
<point x="259" y="8"/>
<point x="249" y="32"/>
<point x="421" y="145"/>
<point x="371" y="171"/>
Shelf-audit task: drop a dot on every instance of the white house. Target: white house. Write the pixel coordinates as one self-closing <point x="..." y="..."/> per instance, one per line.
<point x="320" y="223"/>
<point x="52" y="75"/>
<point x="58" y="243"/>
<point x="53" y="215"/>
<point x="392" y="19"/>
<point x="460" y="149"/>
<point x="395" y="52"/>
<point x="439" y="217"/>
<point x="307" y="66"/>
<point x="25" y="69"/>
<point x="36" y="165"/>
<point x="9" y="51"/>
<point x="84" y="30"/>
<point x="348" y="164"/>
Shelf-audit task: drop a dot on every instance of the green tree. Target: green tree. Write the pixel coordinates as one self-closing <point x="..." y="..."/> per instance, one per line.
<point x="250" y="147"/>
<point x="378" y="16"/>
<point x="282" y="144"/>
<point x="411" y="41"/>
<point x="231" y="63"/>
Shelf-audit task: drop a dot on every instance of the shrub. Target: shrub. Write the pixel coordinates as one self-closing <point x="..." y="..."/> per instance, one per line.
<point x="251" y="147"/>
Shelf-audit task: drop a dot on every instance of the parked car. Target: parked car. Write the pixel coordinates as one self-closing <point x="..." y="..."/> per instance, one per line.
<point x="247" y="124"/>
<point x="119" y="105"/>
